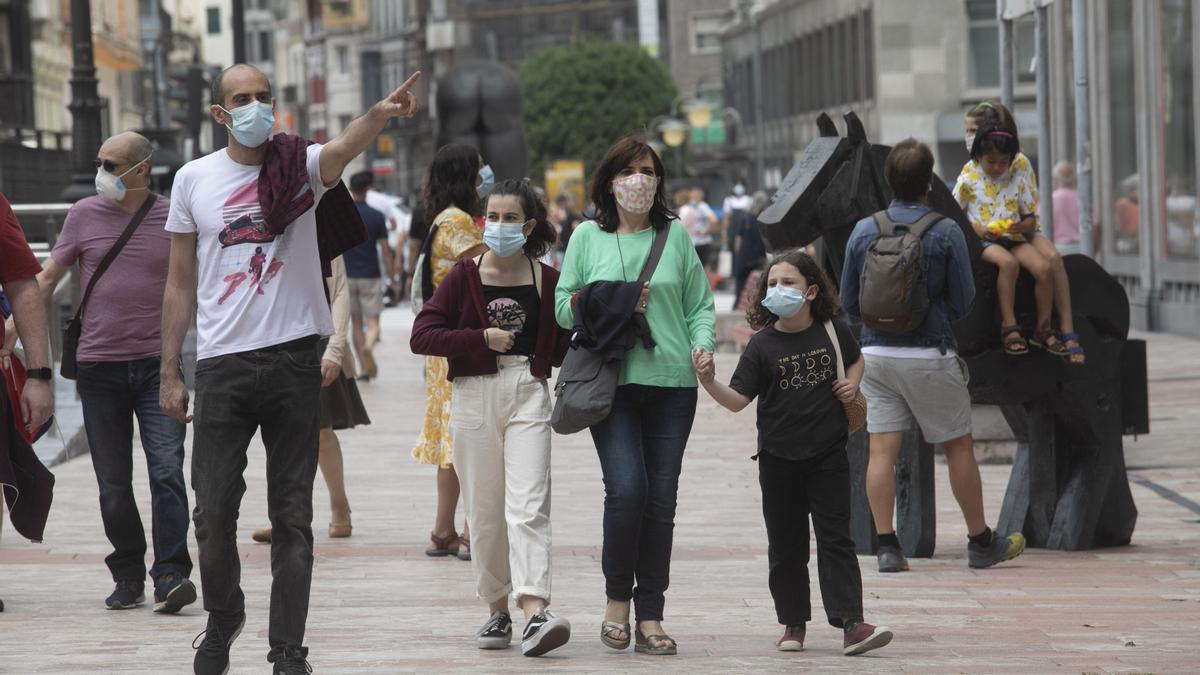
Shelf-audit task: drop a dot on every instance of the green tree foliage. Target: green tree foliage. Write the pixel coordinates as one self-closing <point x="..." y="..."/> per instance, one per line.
<point x="581" y="97"/>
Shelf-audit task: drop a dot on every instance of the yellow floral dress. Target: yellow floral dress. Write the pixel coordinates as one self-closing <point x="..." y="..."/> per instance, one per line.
<point x="456" y="235"/>
<point x="1014" y="195"/>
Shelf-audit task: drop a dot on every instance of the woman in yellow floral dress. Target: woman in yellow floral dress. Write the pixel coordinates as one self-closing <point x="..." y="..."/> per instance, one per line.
<point x="452" y="199"/>
<point x="999" y="194"/>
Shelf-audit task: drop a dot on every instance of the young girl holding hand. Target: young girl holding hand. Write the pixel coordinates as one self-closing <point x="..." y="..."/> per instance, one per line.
<point x="802" y="432"/>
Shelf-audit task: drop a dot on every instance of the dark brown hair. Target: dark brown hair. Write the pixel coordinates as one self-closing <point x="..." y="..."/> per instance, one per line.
<point x="992" y="110"/>
<point x="824" y="307"/>
<point x="542" y="237"/>
<point x="451" y="181"/>
<point x="908" y="168"/>
<point x="623" y="153"/>
<point x="995" y="137"/>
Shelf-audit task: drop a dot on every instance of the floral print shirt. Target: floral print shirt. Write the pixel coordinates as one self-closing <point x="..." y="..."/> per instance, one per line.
<point x="1014" y="195"/>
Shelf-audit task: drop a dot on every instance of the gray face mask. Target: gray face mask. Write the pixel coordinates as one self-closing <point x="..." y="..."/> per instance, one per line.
<point x="970" y="142"/>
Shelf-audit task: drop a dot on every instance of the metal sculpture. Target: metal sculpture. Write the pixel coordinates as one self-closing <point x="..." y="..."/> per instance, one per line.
<point x="479" y="103"/>
<point x="1068" y="488"/>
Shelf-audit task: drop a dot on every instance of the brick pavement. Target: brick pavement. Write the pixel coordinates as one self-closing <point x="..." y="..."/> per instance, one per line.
<point x="380" y="606"/>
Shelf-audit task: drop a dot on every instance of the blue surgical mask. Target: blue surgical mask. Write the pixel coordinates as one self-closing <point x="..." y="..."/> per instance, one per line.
<point x="504" y="239"/>
<point x="489" y="179"/>
<point x="739" y="190"/>
<point x="783" y="301"/>
<point x="252" y="123"/>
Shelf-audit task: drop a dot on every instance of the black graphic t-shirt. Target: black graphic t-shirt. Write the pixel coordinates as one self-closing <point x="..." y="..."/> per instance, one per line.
<point x="791" y="375"/>
<point x="514" y="309"/>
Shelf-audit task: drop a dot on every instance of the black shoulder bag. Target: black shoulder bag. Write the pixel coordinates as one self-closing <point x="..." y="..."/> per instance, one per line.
<point x="71" y="331"/>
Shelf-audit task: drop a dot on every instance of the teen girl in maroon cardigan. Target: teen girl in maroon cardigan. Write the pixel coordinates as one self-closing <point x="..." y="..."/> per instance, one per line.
<point x="492" y="317"/>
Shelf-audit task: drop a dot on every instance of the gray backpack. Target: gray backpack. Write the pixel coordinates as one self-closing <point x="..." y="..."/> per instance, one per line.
<point x="893" y="296"/>
<point x="587" y="382"/>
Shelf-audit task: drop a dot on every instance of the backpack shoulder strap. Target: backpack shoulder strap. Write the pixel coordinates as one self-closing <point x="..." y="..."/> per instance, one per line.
<point x="925" y="222"/>
<point x="887" y="226"/>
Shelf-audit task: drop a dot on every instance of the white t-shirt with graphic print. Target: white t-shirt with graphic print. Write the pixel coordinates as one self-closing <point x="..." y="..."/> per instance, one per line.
<point x="254" y="289"/>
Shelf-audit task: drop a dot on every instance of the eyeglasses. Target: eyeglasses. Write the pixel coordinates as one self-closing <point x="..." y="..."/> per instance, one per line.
<point x="109" y="165"/>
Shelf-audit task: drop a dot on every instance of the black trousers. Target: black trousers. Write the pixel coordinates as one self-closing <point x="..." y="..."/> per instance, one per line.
<point x="792" y="490"/>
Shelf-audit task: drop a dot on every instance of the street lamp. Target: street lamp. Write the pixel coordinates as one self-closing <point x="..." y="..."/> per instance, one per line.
<point x="85" y="105"/>
<point x="699" y="112"/>
<point x="673" y="132"/>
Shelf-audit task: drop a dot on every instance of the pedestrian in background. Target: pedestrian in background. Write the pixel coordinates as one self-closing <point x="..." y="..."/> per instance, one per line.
<point x="1065" y="204"/>
<point x="451" y="202"/>
<point x="500" y="409"/>
<point x="802" y="433"/>
<point x="642" y="441"/>
<point x="749" y="250"/>
<point x="363" y="275"/>
<point x="118" y="371"/>
<point x="341" y="406"/>
<point x="702" y="225"/>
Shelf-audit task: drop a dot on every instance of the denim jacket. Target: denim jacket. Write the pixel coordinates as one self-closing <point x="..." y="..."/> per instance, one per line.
<point x="950" y="278"/>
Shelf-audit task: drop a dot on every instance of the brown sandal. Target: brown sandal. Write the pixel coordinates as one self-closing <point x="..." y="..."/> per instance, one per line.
<point x="1014" y="344"/>
<point x="440" y="547"/>
<point x="464" y="548"/>
<point x="1046" y="338"/>
<point x="654" y="645"/>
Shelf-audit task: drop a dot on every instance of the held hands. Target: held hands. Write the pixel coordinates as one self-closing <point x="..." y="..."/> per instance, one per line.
<point x="643" y="299"/>
<point x="402" y="102"/>
<point x="329" y="372"/>
<point x="173" y="397"/>
<point x="498" y="340"/>
<point x="845" y="390"/>
<point x="706" y="368"/>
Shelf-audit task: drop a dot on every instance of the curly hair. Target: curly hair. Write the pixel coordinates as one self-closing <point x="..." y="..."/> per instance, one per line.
<point x="451" y="181"/>
<point x="534" y="206"/>
<point x="824" y="307"/>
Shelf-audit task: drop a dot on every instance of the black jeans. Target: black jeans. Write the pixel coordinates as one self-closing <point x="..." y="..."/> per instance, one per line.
<point x="792" y="490"/>
<point x="112" y="394"/>
<point x="641" y="447"/>
<point x="277" y="390"/>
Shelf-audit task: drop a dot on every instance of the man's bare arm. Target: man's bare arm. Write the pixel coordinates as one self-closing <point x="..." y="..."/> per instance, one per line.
<point x="29" y="317"/>
<point x="359" y="134"/>
<point x="49" y="278"/>
<point x="179" y="300"/>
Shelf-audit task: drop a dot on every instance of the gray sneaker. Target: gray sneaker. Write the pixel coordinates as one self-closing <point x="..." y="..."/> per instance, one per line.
<point x="1002" y="548"/>
<point x="891" y="560"/>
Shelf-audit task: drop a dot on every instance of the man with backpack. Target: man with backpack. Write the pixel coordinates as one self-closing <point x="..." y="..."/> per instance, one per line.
<point x="908" y="276"/>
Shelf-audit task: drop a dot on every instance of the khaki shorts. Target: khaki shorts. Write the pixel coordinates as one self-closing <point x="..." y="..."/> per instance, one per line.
<point x="927" y="393"/>
<point x="366" y="296"/>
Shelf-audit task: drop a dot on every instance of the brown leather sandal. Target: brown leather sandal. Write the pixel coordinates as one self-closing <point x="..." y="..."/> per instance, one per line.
<point x="440" y="547"/>
<point x="1047" y="338"/>
<point x="1014" y="344"/>
<point x="464" y="548"/>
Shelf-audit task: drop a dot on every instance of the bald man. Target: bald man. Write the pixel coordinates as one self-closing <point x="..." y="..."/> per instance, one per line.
<point x="118" y="358"/>
<point x="259" y="344"/>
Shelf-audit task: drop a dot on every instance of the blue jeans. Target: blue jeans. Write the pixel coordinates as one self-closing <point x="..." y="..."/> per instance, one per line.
<point x="641" y="446"/>
<point x="112" y="394"/>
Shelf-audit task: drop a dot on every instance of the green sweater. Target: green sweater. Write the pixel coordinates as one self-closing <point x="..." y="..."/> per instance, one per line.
<point x="680" y="310"/>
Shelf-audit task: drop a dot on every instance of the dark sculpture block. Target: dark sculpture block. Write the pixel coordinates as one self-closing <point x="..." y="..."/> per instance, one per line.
<point x="479" y="103"/>
<point x="1068" y="488"/>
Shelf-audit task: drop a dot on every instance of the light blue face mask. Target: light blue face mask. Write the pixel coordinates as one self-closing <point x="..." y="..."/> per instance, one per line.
<point x="504" y="239"/>
<point x="739" y="190"/>
<point x="252" y="123"/>
<point x="783" y="301"/>
<point x="489" y="179"/>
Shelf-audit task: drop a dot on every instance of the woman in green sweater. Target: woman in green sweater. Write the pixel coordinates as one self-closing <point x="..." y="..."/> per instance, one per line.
<point x="641" y="443"/>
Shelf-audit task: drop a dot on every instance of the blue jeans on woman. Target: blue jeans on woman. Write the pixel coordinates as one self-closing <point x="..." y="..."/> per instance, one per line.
<point x="641" y="446"/>
<point x="112" y="394"/>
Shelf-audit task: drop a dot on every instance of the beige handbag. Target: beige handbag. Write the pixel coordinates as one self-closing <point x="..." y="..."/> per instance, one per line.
<point x="856" y="410"/>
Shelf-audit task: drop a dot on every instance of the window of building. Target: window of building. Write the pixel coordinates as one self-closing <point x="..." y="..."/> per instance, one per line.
<point x="344" y="121"/>
<point x="5" y="63"/>
<point x="1179" y="128"/>
<point x="1122" y="218"/>
<point x="214" y="20"/>
<point x="705" y="33"/>
<point x="266" y="46"/>
<point x="343" y="59"/>
<point x="983" y="45"/>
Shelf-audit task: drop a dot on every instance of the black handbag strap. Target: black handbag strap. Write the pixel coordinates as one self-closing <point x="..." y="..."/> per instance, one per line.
<point x="116" y="248"/>
<point x="656" y="251"/>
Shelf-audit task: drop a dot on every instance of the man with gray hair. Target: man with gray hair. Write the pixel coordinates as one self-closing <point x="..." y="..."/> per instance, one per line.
<point x="118" y="364"/>
<point x="1065" y="204"/>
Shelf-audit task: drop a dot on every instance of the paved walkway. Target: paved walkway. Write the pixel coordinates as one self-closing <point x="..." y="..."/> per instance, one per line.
<point x="380" y="606"/>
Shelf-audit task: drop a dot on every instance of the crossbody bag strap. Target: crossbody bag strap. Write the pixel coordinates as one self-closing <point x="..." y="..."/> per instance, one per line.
<point x="656" y="251"/>
<point x="837" y="349"/>
<point x="116" y="249"/>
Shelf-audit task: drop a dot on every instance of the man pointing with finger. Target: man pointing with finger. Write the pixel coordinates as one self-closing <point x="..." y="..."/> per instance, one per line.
<point x="251" y="227"/>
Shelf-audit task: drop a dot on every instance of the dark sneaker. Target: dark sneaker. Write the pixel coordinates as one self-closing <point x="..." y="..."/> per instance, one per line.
<point x="544" y="632"/>
<point x="292" y="663"/>
<point x="496" y="632"/>
<point x="863" y="638"/>
<point x="891" y="560"/>
<point x="172" y="593"/>
<point x="792" y="640"/>
<point x="1002" y="548"/>
<point x="127" y="595"/>
<point x="212" y="654"/>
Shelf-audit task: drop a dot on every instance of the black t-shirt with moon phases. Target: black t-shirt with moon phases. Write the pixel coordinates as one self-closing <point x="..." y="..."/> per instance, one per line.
<point x="514" y="309"/>
<point x="791" y="375"/>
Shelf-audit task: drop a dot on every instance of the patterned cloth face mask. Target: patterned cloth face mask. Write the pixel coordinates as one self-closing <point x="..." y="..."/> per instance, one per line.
<point x="635" y="193"/>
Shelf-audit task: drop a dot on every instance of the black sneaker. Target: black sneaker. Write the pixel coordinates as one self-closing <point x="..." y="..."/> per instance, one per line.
<point x="212" y="654"/>
<point x="172" y="593"/>
<point x="292" y="663"/>
<point x="1002" y="549"/>
<point x="127" y="595"/>
<point x="496" y="632"/>
<point x="544" y="632"/>
<point x="891" y="560"/>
